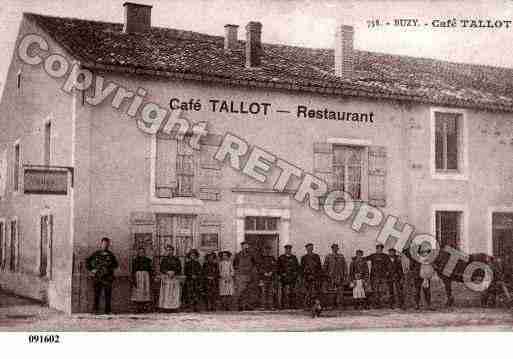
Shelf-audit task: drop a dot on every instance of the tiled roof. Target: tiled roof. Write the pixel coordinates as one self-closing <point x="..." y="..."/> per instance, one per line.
<point x="192" y="55"/>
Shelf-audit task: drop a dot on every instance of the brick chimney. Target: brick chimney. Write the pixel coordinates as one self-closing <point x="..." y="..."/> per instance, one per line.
<point x="344" y="51"/>
<point x="137" y="17"/>
<point x="253" y="44"/>
<point x="230" y="36"/>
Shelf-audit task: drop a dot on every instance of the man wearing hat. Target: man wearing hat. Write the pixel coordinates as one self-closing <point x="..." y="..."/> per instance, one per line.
<point x="380" y="270"/>
<point x="396" y="279"/>
<point x="244" y="264"/>
<point x="288" y="270"/>
<point x="335" y="269"/>
<point x="266" y="274"/>
<point x="311" y="271"/>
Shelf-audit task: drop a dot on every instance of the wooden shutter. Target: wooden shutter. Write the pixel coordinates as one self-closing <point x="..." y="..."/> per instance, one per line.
<point x="209" y="179"/>
<point x="165" y="167"/>
<point x="323" y="165"/>
<point x="377" y="176"/>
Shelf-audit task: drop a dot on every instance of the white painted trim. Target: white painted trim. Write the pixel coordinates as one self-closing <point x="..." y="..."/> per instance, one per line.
<point x="349" y="141"/>
<point x="464" y="235"/>
<point x="462" y="175"/>
<point x="489" y="223"/>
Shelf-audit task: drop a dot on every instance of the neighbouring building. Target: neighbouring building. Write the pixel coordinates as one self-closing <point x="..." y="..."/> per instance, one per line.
<point x="428" y="141"/>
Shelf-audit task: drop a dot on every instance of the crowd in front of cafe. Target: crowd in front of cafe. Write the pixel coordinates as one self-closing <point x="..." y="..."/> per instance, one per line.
<point x="432" y="147"/>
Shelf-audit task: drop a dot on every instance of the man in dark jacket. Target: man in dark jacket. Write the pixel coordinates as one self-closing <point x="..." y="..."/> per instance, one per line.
<point x="380" y="267"/>
<point x="311" y="272"/>
<point x="396" y="279"/>
<point x="244" y="265"/>
<point x="335" y="269"/>
<point x="288" y="270"/>
<point x="102" y="264"/>
<point x="266" y="274"/>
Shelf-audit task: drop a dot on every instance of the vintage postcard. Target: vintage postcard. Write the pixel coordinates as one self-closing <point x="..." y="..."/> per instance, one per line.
<point x="255" y="166"/>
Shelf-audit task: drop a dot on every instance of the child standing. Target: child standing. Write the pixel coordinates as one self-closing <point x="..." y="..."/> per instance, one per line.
<point x="359" y="275"/>
<point x="193" y="273"/>
<point x="226" y="284"/>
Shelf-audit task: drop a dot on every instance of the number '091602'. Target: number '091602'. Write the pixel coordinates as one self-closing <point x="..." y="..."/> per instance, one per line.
<point x="43" y="339"/>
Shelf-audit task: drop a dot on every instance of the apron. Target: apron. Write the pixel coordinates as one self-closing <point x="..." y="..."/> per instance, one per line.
<point x="170" y="292"/>
<point x="226" y="283"/>
<point x="358" y="290"/>
<point x="142" y="292"/>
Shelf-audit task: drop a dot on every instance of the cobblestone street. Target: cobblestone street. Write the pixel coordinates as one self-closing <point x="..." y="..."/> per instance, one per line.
<point x="19" y="314"/>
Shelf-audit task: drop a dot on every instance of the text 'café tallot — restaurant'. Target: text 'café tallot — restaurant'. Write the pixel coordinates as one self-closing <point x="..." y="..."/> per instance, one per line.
<point x="427" y="141"/>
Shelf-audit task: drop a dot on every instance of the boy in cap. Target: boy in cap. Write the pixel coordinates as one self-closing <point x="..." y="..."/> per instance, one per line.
<point x="380" y="269"/>
<point x="266" y="272"/>
<point x="211" y="276"/>
<point x="335" y="269"/>
<point x="288" y="270"/>
<point x="311" y="272"/>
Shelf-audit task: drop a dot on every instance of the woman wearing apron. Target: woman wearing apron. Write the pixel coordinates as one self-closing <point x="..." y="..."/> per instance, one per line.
<point x="170" y="290"/>
<point x="141" y="281"/>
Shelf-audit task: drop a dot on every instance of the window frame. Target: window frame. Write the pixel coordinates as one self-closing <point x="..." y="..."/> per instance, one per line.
<point x="49" y="246"/>
<point x="464" y="222"/>
<point x="17" y="167"/>
<point x="462" y="172"/>
<point x="363" y="178"/>
<point x="14" y="252"/>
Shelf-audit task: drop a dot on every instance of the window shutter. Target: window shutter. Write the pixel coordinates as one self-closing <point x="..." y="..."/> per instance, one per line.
<point x="377" y="176"/>
<point x="209" y="181"/>
<point x="165" y="167"/>
<point x="323" y="165"/>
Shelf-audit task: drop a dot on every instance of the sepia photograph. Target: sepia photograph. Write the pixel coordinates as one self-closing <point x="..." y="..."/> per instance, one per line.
<point x="255" y="166"/>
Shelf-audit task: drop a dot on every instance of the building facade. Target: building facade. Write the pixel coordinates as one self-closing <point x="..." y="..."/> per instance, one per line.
<point x="426" y="141"/>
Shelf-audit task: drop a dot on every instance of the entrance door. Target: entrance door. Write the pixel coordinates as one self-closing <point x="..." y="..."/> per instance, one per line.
<point x="258" y="242"/>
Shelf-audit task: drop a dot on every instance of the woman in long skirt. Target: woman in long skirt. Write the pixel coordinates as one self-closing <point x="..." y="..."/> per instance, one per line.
<point x="226" y="284"/>
<point x="170" y="289"/>
<point x="141" y="281"/>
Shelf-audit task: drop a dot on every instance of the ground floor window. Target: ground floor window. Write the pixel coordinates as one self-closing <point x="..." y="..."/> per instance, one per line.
<point x="14" y="250"/>
<point x="261" y="232"/>
<point x="45" y="249"/>
<point x="448" y="228"/>
<point x="176" y="230"/>
<point x="502" y="233"/>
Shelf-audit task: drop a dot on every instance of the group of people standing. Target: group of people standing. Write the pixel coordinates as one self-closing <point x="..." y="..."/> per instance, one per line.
<point x="215" y="282"/>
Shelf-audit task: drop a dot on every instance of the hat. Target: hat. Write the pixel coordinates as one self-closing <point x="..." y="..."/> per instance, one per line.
<point x="309" y="245"/>
<point x="243" y="243"/>
<point x="287" y="246"/>
<point x="193" y="251"/>
<point x="334" y="245"/>
<point x="380" y="245"/>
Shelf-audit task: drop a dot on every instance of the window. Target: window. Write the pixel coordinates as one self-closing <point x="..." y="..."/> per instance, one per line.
<point x="185" y="169"/>
<point x="16" y="168"/>
<point x="448" y="228"/>
<point x="447" y="141"/>
<point x="47" y="143"/>
<point x="261" y="223"/>
<point x="347" y="170"/>
<point x="502" y="233"/>
<point x="14" y="250"/>
<point x="46" y="237"/>
<point x="176" y="230"/>
<point x="3" y="173"/>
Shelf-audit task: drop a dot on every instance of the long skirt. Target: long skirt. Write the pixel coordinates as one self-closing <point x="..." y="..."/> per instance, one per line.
<point x="142" y="291"/>
<point x="226" y="286"/>
<point x="170" y="293"/>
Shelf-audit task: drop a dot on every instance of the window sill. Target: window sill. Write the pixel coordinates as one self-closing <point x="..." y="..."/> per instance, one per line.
<point x="456" y="176"/>
<point x="182" y="201"/>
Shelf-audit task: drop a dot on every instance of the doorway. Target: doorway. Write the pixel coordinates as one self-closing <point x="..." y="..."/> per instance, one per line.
<point x="258" y="243"/>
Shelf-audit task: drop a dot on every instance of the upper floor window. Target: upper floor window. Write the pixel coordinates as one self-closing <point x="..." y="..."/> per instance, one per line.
<point x="17" y="166"/>
<point x="185" y="169"/>
<point x="347" y="168"/>
<point x="447" y="141"/>
<point x="14" y="247"/>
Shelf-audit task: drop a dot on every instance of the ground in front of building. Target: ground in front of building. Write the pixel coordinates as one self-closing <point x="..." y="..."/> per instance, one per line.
<point x="20" y="314"/>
